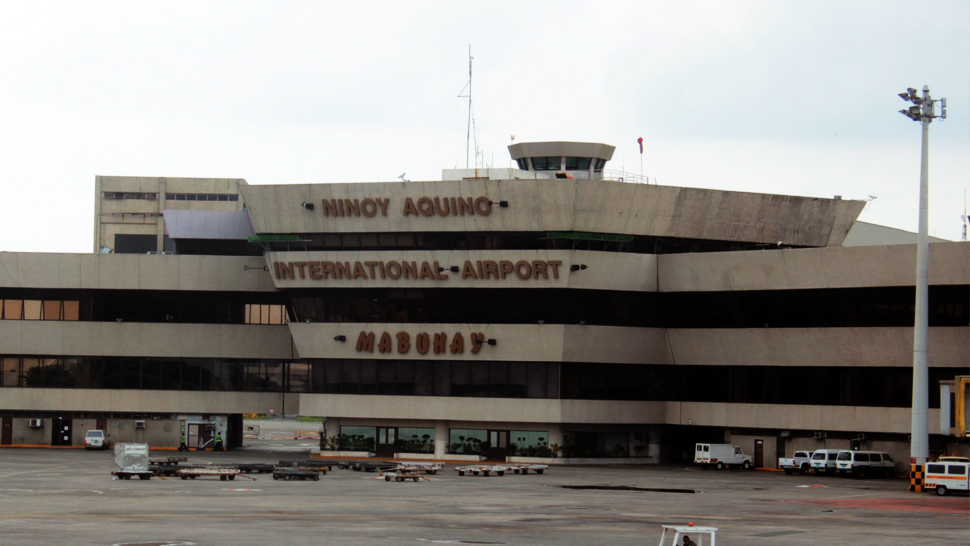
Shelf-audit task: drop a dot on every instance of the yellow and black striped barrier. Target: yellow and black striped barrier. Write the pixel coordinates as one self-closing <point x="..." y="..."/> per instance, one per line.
<point x="916" y="478"/>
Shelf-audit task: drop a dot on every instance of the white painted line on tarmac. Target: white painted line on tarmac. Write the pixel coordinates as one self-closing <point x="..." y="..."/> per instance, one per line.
<point x="155" y="543"/>
<point x="34" y="471"/>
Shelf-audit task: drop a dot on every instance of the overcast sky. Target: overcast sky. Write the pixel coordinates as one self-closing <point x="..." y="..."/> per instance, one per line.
<point x="789" y="97"/>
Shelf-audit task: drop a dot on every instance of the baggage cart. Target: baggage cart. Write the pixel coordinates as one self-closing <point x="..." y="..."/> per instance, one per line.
<point x="288" y="473"/>
<point x="222" y="472"/>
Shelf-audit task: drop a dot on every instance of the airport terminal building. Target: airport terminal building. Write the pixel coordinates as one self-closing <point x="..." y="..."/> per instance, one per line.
<point x="540" y="311"/>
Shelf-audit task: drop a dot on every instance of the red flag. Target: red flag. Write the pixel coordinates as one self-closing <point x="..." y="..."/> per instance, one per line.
<point x="640" y="141"/>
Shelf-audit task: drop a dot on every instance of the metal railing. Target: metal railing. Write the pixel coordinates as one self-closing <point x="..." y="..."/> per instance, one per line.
<point x="612" y="174"/>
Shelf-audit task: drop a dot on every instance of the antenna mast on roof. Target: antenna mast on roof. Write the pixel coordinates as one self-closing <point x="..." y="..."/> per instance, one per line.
<point x="468" y="86"/>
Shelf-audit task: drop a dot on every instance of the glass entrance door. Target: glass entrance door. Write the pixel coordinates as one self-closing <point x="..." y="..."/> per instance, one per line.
<point x="386" y="439"/>
<point x="498" y="445"/>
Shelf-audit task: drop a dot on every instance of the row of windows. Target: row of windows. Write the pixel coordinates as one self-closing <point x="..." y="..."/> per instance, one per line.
<point x="202" y="196"/>
<point x="505" y="241"/>
<point x="835" y="308"/>
<point x="154" y="374"/>
<point x="952" y="470"/>
<point x="184" y="307"/>
<point x="870" y="307"/>
<point x="560" y="163"/>
<point x="406" y="378"/>
<point x="831" y="386"/>
<point x="16" y="309"/>
<point x="463" y="441"/>
<point x="130" y="195"/>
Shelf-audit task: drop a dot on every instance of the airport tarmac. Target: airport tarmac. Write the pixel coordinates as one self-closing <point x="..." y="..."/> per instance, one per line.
<point x="68" y="496"/>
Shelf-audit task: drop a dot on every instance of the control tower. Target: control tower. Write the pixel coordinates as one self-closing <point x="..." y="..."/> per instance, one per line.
<point x="583" y="160"/>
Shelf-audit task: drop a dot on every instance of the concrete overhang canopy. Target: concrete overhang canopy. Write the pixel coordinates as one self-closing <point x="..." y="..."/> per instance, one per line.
<point x="207" y="224"/>
<point x="559" y="149"/>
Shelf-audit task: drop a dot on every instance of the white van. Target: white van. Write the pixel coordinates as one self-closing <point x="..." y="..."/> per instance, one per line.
<point x="861" y="464"/>
<point x="946" y="476"/>
<point x="96" y="439"/>
<point x="824" y="460"/>
<point x="721" y="455"/>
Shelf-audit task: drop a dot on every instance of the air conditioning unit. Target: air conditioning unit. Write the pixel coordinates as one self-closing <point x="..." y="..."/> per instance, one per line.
<point x="139" y="424"/>
<point x="819" y="435"/>
<point x="35" y="423"/>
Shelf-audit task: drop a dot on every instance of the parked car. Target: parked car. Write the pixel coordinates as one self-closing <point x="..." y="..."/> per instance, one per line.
<point x="824" y="460"/>
<point x="861" y="464"/>
<point x="96" y="439"/>
<point x="801" y="463"/>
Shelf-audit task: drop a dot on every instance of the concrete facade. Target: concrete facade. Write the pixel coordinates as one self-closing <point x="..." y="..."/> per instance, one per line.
<point x="652" y="370"/>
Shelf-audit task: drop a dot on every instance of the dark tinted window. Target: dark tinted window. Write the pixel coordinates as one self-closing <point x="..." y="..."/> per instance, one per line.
<point x="546" y="163"/>
<point x="135" y="244"/>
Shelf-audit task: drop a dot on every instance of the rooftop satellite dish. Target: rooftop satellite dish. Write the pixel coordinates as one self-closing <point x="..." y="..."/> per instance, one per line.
<point x="402" y="177"/>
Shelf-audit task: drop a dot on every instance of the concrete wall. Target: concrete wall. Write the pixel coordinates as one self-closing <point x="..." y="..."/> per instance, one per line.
<point x="157" y="432"/>
<point x="860" y="347"/>
<point x="791" y="417"/>
<point x="23" y="434"/>
<point x="134" y="271"/>
<point x="514" y="342"/>
<point x="564" y="205"/>
<point x="605" y="270"/>
<point x="800" y="269"/>
<point x="135" y="401"/>
<point x="70" y="338"/>
<point x="841" y="347"/>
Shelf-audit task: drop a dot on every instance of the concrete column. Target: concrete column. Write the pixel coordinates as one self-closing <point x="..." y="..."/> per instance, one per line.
<point x="653" y="446"/>
<point x="555" y="436"/>
<point x="440" y="438"/>
<point x="332" y="426"/>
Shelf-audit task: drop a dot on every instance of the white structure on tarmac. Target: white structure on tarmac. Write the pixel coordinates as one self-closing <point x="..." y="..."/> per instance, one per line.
<point x="548" y="311"/>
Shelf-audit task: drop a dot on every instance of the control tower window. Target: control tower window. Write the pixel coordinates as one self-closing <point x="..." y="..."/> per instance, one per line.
<point x="523" y="163"/>
<point x="577" y="163"/>
<point x="546" y="163"/>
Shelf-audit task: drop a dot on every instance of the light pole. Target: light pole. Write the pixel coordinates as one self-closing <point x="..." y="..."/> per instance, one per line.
<point x="923" y="111"/>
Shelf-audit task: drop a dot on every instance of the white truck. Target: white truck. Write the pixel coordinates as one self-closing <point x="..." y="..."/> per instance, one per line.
<point x="721" y="455"/>
<point x="801" y="463"/>
<point x="132" y="460"/>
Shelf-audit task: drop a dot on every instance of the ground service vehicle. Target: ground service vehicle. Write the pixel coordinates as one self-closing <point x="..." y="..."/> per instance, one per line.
<point x="946" y="476"/>
<point x="801" y="463"/>
<point x="862" y="464"/>
<point x="824" y="460"/>
<point x="96" y="439"/>
<point x="132" y="459"/>
<point x="674" y="532"/>
<point x="721" y="455"/>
